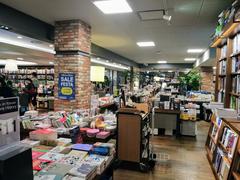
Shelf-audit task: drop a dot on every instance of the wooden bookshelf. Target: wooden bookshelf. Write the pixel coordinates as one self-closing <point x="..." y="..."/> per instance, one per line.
<point x="236" y="175"/>
<point x="234" y="126"/>
<point x="227" y="75"/>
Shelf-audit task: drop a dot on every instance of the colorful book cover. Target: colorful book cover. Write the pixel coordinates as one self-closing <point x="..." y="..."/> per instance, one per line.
<point x="50" y="156"/>
<point x="82" y="147"/>
<point x="64" y="141"/>
<point x="80" y="154"/>
<point x="42" y="148"/>
<point x="58" y="149"/>
<point x="42" y="176"/>
<point x="70" y="159"/>
<point x="38" y="164"/>
<point x="30" y="142"/>
<point x="57" y="169"/>
<point x="97" y="160"/>
<point x="36" y="154"/>
<point x="84" y="170"/>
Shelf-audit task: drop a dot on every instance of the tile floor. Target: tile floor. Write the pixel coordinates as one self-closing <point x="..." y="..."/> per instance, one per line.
<point x="186" y="159"/>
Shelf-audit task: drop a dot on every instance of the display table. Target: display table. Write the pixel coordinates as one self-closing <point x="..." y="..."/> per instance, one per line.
<point x="168" y="120"/>
<point x="198" y="102"/>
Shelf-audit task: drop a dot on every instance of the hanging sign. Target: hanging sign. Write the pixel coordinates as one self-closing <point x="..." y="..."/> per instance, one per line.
<point x="66" y="86"/>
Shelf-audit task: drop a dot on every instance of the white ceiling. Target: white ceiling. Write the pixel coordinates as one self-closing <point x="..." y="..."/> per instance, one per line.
<point x="193" y="21"/>
<point x="11" y="47"/>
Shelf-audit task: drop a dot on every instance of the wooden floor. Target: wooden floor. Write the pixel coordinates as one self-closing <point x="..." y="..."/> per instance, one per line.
<point x="181" y="159"/>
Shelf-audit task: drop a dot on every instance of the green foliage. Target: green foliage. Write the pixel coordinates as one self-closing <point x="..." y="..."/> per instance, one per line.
<point x="191" y="80"/>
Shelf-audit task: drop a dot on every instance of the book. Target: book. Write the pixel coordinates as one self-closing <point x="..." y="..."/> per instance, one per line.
<point x="36" y="154"/>
<point x="30" y="142"/>
<point x="38" y="164"/>
<point x="82" y="147"/>
<point x="84" y="170"/>
<point x="99" y="161"/>
<point x="42" y="148"/>
<point x="47" y="177"/>
<point x="69" y="177"/>
<point x="57" y="169"/>
<point x="71" y="159"/>
<point x="80" y="154"/>
<point x="103" y="135"/>
<point x="224" y="170"/>
<point x="58" y="149"/>
<point x="64" y="141"/>
<point x="50" y="156"/>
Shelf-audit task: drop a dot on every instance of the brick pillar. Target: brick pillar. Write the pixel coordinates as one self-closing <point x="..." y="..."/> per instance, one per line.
<point x="73" y="46"/>
<point x="207" y="79"/>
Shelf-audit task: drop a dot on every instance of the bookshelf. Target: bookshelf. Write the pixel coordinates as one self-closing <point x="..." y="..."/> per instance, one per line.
<point x="223" y="148"/>
<point x="227" y="85"/>
<point x="45" y="74"/>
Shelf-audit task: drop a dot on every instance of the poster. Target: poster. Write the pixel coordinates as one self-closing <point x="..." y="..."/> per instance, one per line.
<point x="66" y="86"/>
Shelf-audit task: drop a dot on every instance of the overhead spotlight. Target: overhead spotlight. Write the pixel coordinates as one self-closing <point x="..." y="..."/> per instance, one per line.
<point x="166" y="16"/>
<point x="4" y="27"/>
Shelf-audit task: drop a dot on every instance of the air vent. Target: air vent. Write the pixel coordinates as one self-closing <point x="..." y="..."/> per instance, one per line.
<point x="151" y="15"/>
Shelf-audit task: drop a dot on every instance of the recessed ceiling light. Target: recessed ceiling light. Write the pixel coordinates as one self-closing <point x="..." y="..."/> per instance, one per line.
<point x="190" y="59"/>
<point x="19" y="58"/>
<point x="162" y="62"/>
<point x="195" y="50"/>
<point x="51" y="45"/>
<point x="214" y="67"/>
<point x="170" y="71"/>
<point x="19" y="37"/>
<point x="113" y="6"/>
<point x="51" y="62"/>
<point x="146" y="44"/>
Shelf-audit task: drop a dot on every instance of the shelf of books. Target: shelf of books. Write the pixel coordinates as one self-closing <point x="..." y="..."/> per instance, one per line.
<point x="227" y="85"/>
<point x="45" y="74"/>
<point x="222" y="72"/>
<point x="223" y="147"/>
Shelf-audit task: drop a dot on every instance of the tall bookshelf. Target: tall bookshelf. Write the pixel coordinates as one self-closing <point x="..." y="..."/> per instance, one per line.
<point x="227" y="85"/>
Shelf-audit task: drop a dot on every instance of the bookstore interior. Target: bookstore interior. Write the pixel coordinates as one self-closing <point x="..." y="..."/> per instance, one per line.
<point x="120" y="89"/>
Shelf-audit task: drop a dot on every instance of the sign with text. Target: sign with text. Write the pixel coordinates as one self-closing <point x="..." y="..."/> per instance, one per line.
<point x="66" y="86"/>
<point x="8" y="105"/>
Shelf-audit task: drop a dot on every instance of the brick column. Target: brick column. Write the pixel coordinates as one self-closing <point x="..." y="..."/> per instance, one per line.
<point x="73" y="46"/>
<point x="207" y="79"/>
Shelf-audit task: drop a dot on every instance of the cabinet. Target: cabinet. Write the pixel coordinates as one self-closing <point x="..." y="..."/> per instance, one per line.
<point x="133" y="136"/>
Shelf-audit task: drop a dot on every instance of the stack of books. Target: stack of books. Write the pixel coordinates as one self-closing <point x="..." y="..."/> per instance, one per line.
<point x="84" y="170"/>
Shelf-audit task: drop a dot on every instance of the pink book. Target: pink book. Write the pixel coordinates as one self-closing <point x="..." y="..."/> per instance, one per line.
<point x="103" y="135"/>
<point x="84" y="130"/>
<point x="92" y="132"/>
<point x="36" y="154"/>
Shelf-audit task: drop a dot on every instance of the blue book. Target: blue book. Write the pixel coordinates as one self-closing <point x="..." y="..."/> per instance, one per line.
<point x="82" y="147"/>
